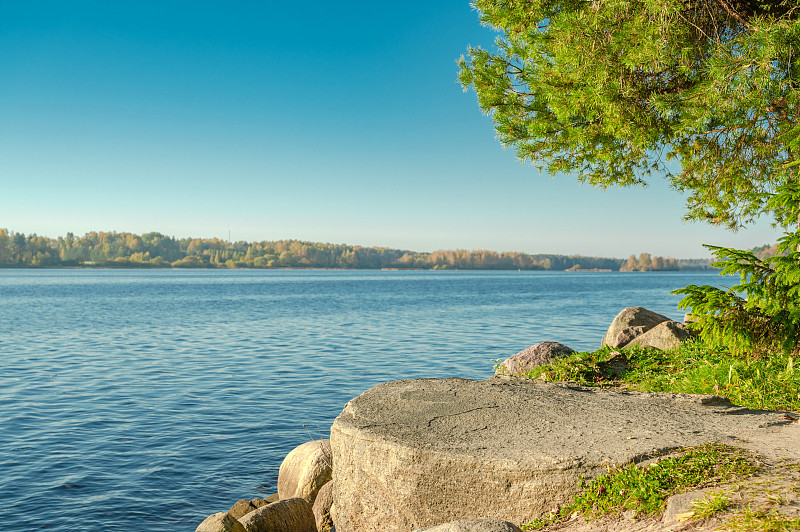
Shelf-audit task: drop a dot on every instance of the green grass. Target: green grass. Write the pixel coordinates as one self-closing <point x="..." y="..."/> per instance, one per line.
<point x="770" y="382"/>
<point x="711" y="504"/>
<point x="760" y="520"/>
<point x="645" y="489"/>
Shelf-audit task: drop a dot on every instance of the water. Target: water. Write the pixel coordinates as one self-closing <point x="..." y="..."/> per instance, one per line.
<point x="147" y="400"/>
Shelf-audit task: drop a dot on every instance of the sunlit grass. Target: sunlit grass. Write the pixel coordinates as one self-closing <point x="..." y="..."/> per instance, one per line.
<point x="769" y="381"/>
<point x="763" y="521"/>
<point x="645" y="490"/>
<point x="711" y="504"/>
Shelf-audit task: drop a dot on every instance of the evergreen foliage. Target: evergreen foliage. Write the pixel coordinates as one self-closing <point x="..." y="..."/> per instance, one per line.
<point x="617" y="91"/>
<point x="762" y="312"/>
<point x="612" y="91"/>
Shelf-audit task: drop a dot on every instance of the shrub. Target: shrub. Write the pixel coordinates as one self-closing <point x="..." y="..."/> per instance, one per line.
<point x="759" y="314"/>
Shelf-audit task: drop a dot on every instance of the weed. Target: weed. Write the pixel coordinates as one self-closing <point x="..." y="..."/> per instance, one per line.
<point x="327" y="456"/>
<point x="709" y="505"/>
<point x="645" y="489"/>
<point x="762" y="382"/>
<point x="760" y="520"/>
<point x="778" y="500"/>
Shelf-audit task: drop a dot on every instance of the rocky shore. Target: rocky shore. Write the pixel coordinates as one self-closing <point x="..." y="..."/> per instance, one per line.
<point x="455" y="455"/>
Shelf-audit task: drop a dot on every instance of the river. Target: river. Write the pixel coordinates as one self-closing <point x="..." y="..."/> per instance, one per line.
<point x="147" y="400"/>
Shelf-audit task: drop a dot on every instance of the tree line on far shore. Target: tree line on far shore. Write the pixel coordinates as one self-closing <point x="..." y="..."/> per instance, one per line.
<point x="155" y="250"/>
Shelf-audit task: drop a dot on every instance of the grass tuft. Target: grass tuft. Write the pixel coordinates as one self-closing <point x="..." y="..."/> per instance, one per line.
<point x="763" y="521"/>
<point x="711" y="504"/>
<point x="758" y="380"/>
<point x="769" y="382"/>
<point x="646" y="489"/>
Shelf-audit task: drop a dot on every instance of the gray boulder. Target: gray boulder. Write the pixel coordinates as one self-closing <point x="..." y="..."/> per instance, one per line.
<point x="630" y="323"/>
<point x="322" y="508"/>
<point x="534" y="356"/>
<point x="417" y="453"/>
<point x="474" y="525"/>
<point x="220" y="522"/>
<point x="305" y="470"/>
<point x="666" y="335"/>
<point x="290" y="515"/>
<point x="626" y="335"/>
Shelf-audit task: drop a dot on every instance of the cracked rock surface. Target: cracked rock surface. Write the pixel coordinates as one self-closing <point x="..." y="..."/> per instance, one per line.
<point x="418" y="453"/>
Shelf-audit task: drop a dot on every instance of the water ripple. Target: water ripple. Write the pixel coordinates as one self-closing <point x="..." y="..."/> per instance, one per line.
<point x="146" y="400"/>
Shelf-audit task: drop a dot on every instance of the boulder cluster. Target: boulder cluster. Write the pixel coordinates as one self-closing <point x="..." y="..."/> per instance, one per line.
<point x="642" y="327"/>
<point x="429" y="426"/>
<point x="302" y="504"/>
<point x="633" y="326"/>
<point x="305" y="499"/>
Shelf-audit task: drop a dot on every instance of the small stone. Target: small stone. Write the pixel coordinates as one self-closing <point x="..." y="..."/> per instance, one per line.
<point x="241" y="508"/>
<point x="631" y="318"/>
<point x="680" y="504"/>
<point x="267" y="500"/>
<point x="666" y="335"/>
<point x="536" y="355"/>
<point x="244" y="507"/>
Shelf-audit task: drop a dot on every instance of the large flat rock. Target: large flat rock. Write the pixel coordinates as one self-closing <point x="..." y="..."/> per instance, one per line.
<point x="418" y="453"/>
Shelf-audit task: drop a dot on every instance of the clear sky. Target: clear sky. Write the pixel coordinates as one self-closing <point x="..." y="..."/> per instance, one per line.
<point x="325" y="121"/>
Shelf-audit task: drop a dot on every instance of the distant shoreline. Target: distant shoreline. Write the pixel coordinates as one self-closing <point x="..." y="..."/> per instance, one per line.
<point x="311" y="268"/>
<point x="155" y="250"/>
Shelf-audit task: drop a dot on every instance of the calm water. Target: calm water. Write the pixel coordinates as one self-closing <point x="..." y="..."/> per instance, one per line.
<point x="147" y="400"/>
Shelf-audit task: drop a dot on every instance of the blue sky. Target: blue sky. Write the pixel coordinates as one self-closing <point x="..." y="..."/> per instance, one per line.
<point x="325" y="121"/>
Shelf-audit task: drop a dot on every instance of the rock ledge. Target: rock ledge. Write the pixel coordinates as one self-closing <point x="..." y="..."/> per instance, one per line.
<point x="418" y="453"/>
